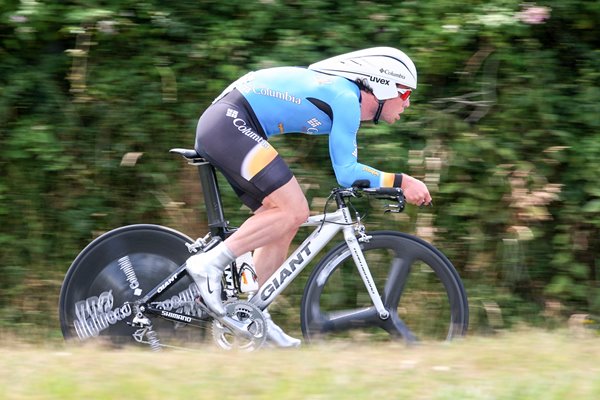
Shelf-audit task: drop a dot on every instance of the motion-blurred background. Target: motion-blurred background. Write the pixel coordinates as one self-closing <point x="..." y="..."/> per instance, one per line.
<point x="504" y="128"/>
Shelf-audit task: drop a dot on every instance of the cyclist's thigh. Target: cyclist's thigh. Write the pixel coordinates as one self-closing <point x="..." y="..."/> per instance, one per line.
<point x="290" y="197"/>
<point x="229" y="136"/>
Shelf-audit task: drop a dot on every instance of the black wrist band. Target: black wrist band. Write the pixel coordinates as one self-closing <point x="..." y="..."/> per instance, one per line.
<point x="397" y="180"/>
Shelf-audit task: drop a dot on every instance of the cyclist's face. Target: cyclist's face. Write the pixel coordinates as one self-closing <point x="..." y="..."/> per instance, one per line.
<point x="393" y="108"/>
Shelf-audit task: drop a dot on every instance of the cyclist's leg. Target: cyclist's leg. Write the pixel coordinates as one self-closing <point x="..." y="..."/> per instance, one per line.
<point x="271" y="229"/>
<point x="230" y="138"/>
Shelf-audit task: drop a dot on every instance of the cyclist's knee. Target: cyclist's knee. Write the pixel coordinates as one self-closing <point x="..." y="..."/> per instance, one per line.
<point x="291" y="201"/>
<point x="299" y="212"/>
<point x="294" y="213"/>
<point x="295" y="207"/>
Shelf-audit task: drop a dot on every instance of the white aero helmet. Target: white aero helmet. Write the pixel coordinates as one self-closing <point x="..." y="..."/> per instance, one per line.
<point x="380" y="68"/>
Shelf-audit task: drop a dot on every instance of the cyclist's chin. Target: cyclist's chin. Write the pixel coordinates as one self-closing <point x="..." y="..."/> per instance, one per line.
<point x="391" y="119"/>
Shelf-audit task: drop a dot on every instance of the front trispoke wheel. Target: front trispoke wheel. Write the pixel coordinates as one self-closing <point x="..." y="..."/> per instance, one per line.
<point x="419" y="287"/>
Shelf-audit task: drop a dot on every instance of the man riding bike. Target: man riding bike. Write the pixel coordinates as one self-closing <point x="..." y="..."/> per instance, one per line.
<point x="329" y="97"/>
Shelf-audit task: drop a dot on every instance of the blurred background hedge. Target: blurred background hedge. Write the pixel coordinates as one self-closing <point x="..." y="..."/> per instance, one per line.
<point x="503" y="128"/>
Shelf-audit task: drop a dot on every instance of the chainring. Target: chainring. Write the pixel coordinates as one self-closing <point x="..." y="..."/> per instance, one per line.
<point x="242" y="311"/>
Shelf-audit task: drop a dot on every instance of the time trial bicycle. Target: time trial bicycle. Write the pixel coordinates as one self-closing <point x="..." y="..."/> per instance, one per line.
<point x="130" y="285"/>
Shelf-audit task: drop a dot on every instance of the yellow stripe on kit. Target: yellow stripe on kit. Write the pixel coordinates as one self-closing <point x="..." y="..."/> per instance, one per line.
<point x="387" y="180"/>
<point x="257" y="159"/>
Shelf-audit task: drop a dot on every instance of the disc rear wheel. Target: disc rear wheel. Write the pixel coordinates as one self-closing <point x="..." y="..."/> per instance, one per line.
<point x="119" y="268"/>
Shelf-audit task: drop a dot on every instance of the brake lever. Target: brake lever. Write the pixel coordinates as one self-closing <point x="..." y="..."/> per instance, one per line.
<point x="396" y="208"/>
<point x="393" y="208"/>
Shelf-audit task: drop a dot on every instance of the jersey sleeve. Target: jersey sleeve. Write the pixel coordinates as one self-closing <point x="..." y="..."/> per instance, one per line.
<point x="343" y="148"/>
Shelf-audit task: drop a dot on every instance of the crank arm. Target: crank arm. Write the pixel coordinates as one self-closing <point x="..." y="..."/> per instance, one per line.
<point x="237" y="327"/>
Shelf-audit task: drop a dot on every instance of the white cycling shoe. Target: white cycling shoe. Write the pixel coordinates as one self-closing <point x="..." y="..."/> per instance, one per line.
<point x="276" y="336"/>
<point x="207" y="271"/>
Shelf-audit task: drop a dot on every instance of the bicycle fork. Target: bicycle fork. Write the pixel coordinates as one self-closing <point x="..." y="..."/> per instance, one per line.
<point x="364" y="271"/>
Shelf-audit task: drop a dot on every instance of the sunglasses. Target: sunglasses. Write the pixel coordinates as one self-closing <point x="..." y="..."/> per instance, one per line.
<point x="404" y="93"/>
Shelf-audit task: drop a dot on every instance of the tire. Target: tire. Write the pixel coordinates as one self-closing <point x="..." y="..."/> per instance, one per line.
<point x="120" y="267"/>
<point x="419" y="286"/>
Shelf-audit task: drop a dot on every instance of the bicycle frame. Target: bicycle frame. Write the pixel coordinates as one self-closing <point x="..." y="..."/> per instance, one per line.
<point x="327" y="227"/>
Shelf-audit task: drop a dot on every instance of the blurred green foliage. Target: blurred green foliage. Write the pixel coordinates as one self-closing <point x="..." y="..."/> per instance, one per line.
<point x="503" y="128"/>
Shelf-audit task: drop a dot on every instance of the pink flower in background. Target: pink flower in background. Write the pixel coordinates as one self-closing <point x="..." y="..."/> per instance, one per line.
<point x="18" y="18"/>
<point x="534" y="15"/>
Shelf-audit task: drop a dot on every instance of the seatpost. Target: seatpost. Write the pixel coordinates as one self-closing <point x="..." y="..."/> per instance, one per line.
<point x="212" y="200"/>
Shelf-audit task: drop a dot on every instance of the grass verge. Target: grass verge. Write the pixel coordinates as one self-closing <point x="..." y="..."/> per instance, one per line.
<point x="527" y="364"/>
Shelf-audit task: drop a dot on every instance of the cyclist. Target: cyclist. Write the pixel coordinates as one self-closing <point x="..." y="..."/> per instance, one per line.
<point x="329" y="97"/>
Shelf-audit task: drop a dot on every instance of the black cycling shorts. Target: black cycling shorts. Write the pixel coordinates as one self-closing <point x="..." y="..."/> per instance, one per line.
<point x="230" y="137"/>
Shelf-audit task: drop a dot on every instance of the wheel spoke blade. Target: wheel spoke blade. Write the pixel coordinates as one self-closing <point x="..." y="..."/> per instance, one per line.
<point x="396" y="281"/>
<point x="348" y="319"/>
<point x="396" y="327"/>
